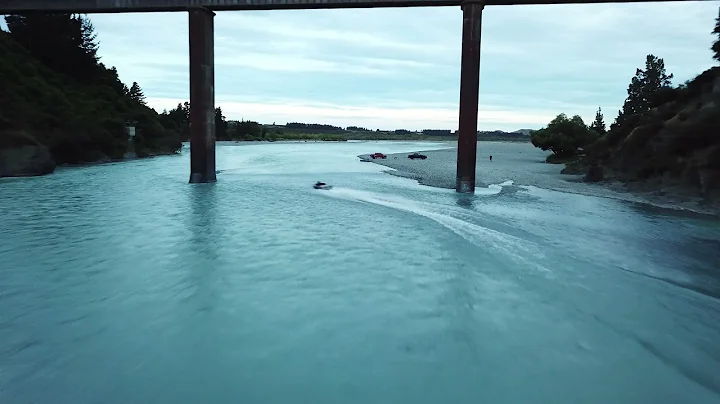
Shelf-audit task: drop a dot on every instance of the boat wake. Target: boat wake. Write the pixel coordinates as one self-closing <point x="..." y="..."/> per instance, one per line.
<point x="517" y="249"/>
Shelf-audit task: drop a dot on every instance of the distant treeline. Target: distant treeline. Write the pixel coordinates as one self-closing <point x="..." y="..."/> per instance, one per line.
<point x="178" y="118"/>
<point x="313" y="127"/>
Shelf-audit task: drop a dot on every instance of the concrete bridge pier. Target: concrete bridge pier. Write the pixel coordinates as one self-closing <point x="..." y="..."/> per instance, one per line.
<point x="202" y="96"/>
<point x="469" y="88"/>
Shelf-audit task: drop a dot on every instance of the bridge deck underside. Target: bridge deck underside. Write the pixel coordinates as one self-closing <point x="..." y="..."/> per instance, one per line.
<point x="130" y="6"/>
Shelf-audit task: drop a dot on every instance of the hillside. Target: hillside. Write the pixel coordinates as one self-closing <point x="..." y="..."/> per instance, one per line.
<point x="46" y="112"/>
<point x="674" y="148"/>
<point x="665" y="140"/>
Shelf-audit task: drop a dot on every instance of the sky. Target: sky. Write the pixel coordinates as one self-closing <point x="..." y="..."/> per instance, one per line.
<point x="400" y="67"/>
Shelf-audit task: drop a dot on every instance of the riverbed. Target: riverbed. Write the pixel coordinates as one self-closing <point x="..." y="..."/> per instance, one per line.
<point x="122" y="283"/>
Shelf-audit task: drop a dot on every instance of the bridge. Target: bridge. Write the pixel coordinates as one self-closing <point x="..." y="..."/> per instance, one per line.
<point x="202" y="59"/>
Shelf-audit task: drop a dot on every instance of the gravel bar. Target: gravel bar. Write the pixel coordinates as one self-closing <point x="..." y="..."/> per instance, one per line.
<point x="525" y="165"/>
<point x="518" y="162"/>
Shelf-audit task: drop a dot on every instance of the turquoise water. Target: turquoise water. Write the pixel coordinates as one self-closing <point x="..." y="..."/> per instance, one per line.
<point x="121" y="283"/>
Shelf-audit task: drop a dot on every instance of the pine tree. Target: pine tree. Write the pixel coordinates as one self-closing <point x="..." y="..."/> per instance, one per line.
<point x="179" y="119"/>
<point x="87" y="42"/>
<point x="221" y="125"/>
<point x="63" y="42"/>
<point x="598" y="124"/>
<point x="136" y="94"/>
<point x="643" y="88"/>
<point x="716" y="46"/>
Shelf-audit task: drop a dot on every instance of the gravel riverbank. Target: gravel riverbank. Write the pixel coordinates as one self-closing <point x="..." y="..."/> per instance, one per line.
<point x="524" y="165"/>
<point x="518" y="162"/>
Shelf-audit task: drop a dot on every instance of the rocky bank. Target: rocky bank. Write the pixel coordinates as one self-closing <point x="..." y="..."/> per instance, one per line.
<point x="26" y="161"/>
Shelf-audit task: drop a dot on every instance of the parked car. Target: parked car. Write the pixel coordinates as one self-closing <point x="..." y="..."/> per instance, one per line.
<point x="378" y="156"/>
<point x="417" y="156"/>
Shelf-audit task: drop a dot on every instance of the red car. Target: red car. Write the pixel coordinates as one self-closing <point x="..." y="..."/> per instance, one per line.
<point x="378" y="156"/>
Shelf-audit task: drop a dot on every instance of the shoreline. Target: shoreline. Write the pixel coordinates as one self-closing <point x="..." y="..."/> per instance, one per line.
<point x="103" y="161"/>
<point x="128" y="157"/>
<point x="439" y="171"/>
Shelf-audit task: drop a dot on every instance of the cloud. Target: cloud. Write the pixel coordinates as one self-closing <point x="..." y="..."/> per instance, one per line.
<point x="400" y="67"/>
<point x="289" y="26"/>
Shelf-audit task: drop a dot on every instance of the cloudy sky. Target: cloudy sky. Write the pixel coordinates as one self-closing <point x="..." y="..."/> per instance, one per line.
<point x="400" y="68"/>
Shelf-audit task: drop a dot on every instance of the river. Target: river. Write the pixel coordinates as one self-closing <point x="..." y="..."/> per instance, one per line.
<point x="122" y="283"/>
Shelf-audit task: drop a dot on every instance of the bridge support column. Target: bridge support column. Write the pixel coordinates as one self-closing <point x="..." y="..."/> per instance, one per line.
<point x="202" y="96"/>
<point x="469" y="88"/>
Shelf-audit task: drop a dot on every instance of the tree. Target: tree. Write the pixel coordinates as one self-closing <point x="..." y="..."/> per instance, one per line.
<point x="598" y="124"/>
<point x="115" y="83"/>
<point x="564" y="137"/>
<point x="716" y="46"/>
<point x="87" y="37"/>
<point x="136" y="93"/>
<point x="248" y="130"/>
<point x="63" y="42"/>
<point x="221" y="125"/>
<point x="644" y="90"/>
<point x="178" y="119"/>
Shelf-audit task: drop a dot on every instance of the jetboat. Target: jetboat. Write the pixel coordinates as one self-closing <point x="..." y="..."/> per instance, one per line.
<point x="322" y="185"/>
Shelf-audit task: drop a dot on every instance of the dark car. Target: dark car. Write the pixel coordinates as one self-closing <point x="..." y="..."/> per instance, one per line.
<point x="378" y="156"/>
<point x="417" y="156"/>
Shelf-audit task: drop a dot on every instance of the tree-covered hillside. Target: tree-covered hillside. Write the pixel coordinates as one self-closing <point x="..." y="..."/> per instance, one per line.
<point x="54" y="91"/>
<point x="665" y="135"/>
